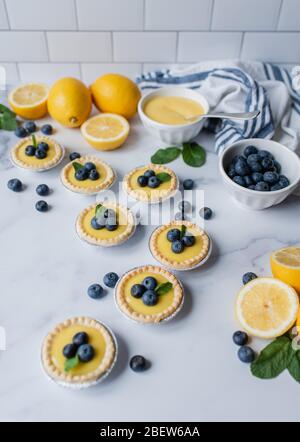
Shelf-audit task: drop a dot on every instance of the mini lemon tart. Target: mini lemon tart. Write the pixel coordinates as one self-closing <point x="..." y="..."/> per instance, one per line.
<point x="37" y="153"/>
<point x="87" y="175"/>
<point x="152" y="183"/>
<point x="106" y="224"/>
<point x="180" y="245"/>
<point x="79" y="352"/>
<point x="149" y="294"/>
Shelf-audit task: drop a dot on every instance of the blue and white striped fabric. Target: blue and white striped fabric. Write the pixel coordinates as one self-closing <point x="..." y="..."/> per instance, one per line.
<point x="236" y="86"/>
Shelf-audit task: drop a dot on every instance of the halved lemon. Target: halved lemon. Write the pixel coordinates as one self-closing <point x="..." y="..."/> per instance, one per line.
<point x="29" y="100"/>
<point x="267" y="307"/>
<point x="285" y="265"/>
<point x="105" y="131"/>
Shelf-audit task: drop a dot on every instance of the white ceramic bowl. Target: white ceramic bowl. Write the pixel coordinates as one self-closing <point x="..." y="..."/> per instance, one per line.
<point x="168" y="133"/>
<point x="253" y="199"/>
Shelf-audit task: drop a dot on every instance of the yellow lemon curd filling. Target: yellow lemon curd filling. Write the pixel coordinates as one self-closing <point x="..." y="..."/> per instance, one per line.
<point x="20" y="153"/>
<point x="65" y="336"/>
<point x="164" y="301"/>
<point x="165" y="247"/>
<point x="173" y="110"/>
<point x="86" y="183"/>
<point x="122" y="219"/>
<point x="148" y="191"/>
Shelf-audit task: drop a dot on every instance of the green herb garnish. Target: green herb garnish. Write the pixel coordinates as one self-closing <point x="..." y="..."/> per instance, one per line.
<point x="34" y="141"/>
<point x="71" y="363"/>
<point x="164" y="177"/>
<point x="182" y="231"/>
<point x="192" y="153"/>
<point x="7" y="118"/>
<point x="163" y="288"/>
<point x="99" y="210"/>
<point x="77" y="166"/>
<point x="163" y="156"/>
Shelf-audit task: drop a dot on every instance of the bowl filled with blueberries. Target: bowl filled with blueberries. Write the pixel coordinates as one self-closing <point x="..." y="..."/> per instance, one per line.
<point x="259" y="173"/>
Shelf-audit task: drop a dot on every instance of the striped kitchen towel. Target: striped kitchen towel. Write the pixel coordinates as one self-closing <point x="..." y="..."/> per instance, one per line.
<point x="239" y="86"/>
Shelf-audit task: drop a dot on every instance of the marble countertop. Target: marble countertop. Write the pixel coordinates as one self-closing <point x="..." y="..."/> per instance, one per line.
<point x="195" y="373"/>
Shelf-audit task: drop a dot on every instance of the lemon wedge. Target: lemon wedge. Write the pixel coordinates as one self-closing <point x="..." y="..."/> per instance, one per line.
<point x="105" y="131"/>
<point x="285" y="265"/>
<point x="29" y="100"/>
<point x="267" y="307"/>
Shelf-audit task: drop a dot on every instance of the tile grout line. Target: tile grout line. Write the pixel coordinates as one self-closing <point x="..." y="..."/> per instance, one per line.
<point x="76" y="15"/>
<point x="278" y="17"/>
<point x="47" y="45"/>
<point x="177" y="46"/>
<point x="7" y="15"/>
<point x="212" y="8"/>
<point x="144" y="15"/>
<point x="112" y="52"/>
<point x="242" y="44"/>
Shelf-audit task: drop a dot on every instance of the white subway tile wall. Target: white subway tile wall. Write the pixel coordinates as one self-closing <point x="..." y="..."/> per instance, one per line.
<point x="85" y="38"/>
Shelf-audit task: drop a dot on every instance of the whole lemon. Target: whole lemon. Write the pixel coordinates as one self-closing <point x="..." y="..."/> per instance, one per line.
<point x="116" y="94"/>
<point x="69" y="102"/>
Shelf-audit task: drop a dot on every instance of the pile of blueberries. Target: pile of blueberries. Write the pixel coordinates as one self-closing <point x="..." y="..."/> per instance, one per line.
<point x="257" y="170"/>
<point x="79" y="347"/>
<point x="149" y="179"/>
<point x="146" y="291"/>
<point x="30" y="127"/>
<point x="107" y="220"/>
<point x="39" y="152"/>
<point x="87" y="171"/>
<point x="178" y="243"/>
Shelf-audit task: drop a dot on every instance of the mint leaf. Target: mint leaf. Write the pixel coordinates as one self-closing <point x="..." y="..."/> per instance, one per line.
<point x="182" y="231"/>
<point x="193" y="154"/>
<point x="163" y="288"/>
<point x="7" y="118"/>
<point x="294" y="366"/>
<point x="163" y="156"/>
<point x="77" y="166"/>
<point x="34" y="140"/>
<point x="71" y="363"/>
<point x="273" y="359"/>
<point x="164" y="177"/>
<point x="99" y="210"/>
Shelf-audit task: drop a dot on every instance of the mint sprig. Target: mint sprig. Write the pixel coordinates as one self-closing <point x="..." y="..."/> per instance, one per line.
<point x="77" y="166"/>
<point x="182" y="231"/>
<point x="8" y="119"/>
<point x="192" y="154"/>
<point x="164" y="177"/>
<point x="163" y="288"/>
<point x="163" y="156"/>
<point x="71" y="363"/>
<point x="34" y="140"/>
<point x="99" y="210"/>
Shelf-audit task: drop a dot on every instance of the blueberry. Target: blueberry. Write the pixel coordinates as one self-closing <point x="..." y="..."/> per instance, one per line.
<point x="184" y="206"/>
<point x="252" y="187"/>
<point x="15" y="185"/>
<point x="177" y="246"/>
<point x="153" y="182"/>
<point x="257" y="177"/>
<point x="42" y="206"/>
<point x="206" y="212"/>
<point x="264" y="154"/>
<point x="40" y="154"/>
<point x="256" y="167"/>
<point x="85" y="353"/>
<point x="150" y="297"/>
<point x="239" y="180"/>
<point x="94" y="175"/>
<point x="137" y="290"/>
<point x="70" y="350"/>
<point x="21" y="132"/>
<point x="267" y="163"/>
<point x="241" y="168"/>
<point x="138" y="363"/>
<point x="30" y="126"/>
<point x="240" y="338"/>
<point x="188" y="240"/>
<point x="248" y="180"/>
<point x="277" y="166"/>
<point x="74" y="156"/>
<point x="237" y="158"/>
<point x="246" y="354"/>
<point x="80" y="338"/>
<point x="173" y="235"/>
<point x="110" y="279"/>
<point x="97" y="224"/>
<point x="271" y="177"/>
<point x="111" y="227"/>
<point x="250" y="150"/>
<point x="253" y="158"/>
<point x="95" y="291"/>
<point x="247" y="277"/>
<point x="149" y="173"/>
<point x="89" y="166"/>
<point x="47" y="129"/>
<point x="81" y="174"/>
<point x="43" y="146"/>
<point x="142" y="181"/>
<point x="276" y="186"/>
<point x="188" y="184"/>
<point x="42" y="190"/>
<point x="231" y="170"/>
<point x="283" y="181"/>
<point x="30" y="150"/>
<point x="110" y="213"/>
<point x="262" y="186"/>
<point x="150" y="283"/>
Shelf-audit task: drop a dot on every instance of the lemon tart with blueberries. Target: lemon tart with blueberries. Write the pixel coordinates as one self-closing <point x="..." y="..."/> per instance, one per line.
<point x="180" y="245"/>
<point x="152" y="183"/>
<point x="106" y="224"/>
<point x="37" y="153"/>
<point x="79" y="352"/>
<point x="149" y="294"/>
<point x="87" y="175"/>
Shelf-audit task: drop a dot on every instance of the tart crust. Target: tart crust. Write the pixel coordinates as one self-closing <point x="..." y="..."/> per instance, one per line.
<point x="79" y="380"/>
<point x="154" y="318"/>
<point x="157" y="194"/>
<point x="106" y="242"/>
<point x="93" y="188"/>
<point x="44" y="165"/>
<point x="187" y="263"/>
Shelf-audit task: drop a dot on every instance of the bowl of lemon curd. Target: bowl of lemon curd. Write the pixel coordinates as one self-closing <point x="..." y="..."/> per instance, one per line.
<point x="173" y="114"/>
